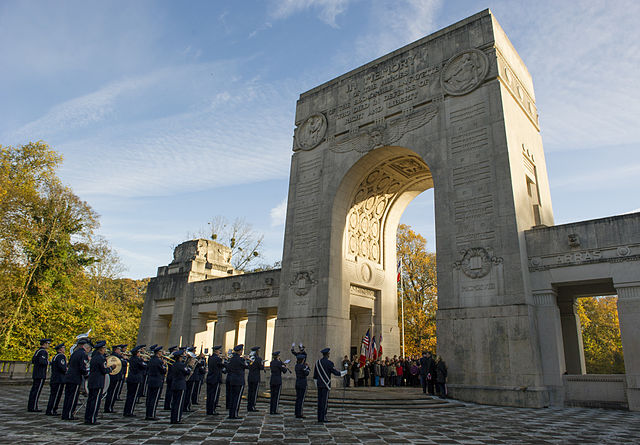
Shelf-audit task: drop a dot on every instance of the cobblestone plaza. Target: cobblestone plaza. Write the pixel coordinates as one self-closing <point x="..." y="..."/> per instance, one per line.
<point x="453" y="423"/>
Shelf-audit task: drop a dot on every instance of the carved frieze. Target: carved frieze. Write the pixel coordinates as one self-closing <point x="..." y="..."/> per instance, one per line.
<point x="584" y="256"/>
<point x="464" y="72"/>
<point x="362" y="292"/>
<point x="310" y="133"/>
<point x="238" y="295"/>
<point x="476" y="262"/>
<point x="303" y="282"/>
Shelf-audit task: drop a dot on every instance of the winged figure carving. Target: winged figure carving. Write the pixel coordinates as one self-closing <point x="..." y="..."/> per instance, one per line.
<point x="385" y="134"/>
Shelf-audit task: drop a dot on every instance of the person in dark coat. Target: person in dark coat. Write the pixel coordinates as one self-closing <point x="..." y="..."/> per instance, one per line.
<point x="227" y="382"/>
<point x="167" y="393"/>
<point x="115" y="381"/>
<point x="441" y="377"/>
<point x="179" y="372"/>
<point x="40" y="361"/>
<point x="97" y="370"/>
<point x="214" y="380"/>
<point x="78" y="368"/>
<point x="235" y="377"/>
<point x="58" y="371"/>
<point x="427" y="366"/>
<point x="191" y="380"/>
<point x="156" y="370"/>
<point x="275" y="382"/>
<point x="256" y="367"/>
<point x="322" y="375"/>
<point x="302" y="372"/>
<point x="135" y="380"/>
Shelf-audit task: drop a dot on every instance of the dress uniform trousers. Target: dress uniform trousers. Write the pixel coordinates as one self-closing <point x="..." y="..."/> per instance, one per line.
<point x="71" y="394"/>
<point x="236" y="396"/>
<point x="177" y="403"/>
<point x="153" y="396"/>
<point x="54" y="398"/>
<point x="132" y="395"/>
<point x="275" y="398"/>
<point x="93" y="405"/>
<point x="252" y="396"/>
<point x="301" y="392"/>
<point x="34" y="394"/>
<point x="323" y="400"/>
<point x="213" y="394"/>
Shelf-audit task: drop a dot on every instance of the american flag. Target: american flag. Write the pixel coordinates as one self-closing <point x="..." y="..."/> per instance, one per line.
<point x="364" y="349"/>
<point x="380" y="346"/>
<point x="399" y="270"/>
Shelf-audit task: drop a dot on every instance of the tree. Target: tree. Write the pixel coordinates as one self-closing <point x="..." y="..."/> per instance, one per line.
<point x="420" y="291"/>
<point x="601" y="335"/>
<point x="57" y="279"/>
<point x="239" y="236"/>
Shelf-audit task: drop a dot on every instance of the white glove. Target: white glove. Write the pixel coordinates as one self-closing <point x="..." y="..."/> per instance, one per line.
<point x="293" y="345"/>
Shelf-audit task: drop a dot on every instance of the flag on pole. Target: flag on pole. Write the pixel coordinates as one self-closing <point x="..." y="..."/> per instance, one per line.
<point x="399" y="269"/>
<point x="380" y="347"/>
<point x="374" y="350"/>
<point x="364" y="348"/>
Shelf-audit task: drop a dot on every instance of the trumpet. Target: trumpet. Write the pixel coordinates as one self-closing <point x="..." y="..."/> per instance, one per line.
<point x="145" y="356"/>
<point x="168" y="359"/>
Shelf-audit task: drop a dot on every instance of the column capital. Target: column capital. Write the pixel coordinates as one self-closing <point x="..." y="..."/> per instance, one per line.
<point x="628" y="291"/>
<point x="547" y="297"/>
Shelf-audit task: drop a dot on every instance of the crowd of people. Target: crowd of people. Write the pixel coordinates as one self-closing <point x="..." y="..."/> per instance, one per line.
<point x="427" y="371"/>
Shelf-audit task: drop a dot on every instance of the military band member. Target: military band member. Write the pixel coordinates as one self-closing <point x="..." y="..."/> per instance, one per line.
<point x="135" y="380"/>
<point x="322" y="375"/>
<point x="40" y="361"/>
<point x="145" y="382"/>
<point x="277" y="369"/>
<point x="78" y="368"/>
<point x="235" y="377"/>
<point x="97" y="370"/>
<point x="178" y="386"/>
<point x="115" y="383"/>
<point x="156" y="369"/>
<point x="200" y="371"/>
<point x="227" y="382"/>
<point x="125" y="368"/>
<point x="58" y="370"/>
<point x="167" y="393"/>
<point x="191" y="381"/>
<point x="256" y="367"/>
<point x="168" y="377"/>
<point x="214" y="380"/>
<point x="302" y="372"/>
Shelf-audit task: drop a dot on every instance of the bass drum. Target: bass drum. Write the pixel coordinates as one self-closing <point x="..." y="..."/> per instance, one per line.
<point x="105" y="387"/>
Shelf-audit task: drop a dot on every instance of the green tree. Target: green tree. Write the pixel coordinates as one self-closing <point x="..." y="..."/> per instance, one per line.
<point x="601" y="335"/>
<point x="420" y="291"/>
<point x="57" y="279"/>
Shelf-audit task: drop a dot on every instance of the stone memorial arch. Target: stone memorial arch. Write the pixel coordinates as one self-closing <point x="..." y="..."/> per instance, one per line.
<point x="454" y="111"/>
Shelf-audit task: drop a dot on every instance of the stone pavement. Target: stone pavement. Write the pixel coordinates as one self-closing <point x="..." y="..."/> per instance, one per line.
<point x="448" y="424"/>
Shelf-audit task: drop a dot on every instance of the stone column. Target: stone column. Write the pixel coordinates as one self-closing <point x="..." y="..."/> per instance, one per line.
<point x="629" y="319"/>
<point x="224" y="331"/>
<point x="572" y="336"/>
<point x="551" y="347"/>
<point x="256" y="333"/>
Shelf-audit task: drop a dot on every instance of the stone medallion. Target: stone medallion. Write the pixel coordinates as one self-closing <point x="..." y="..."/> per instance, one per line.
<point x="311" y="133"/>
<point x="475" y="262"/>
<point x="464" y="72"/>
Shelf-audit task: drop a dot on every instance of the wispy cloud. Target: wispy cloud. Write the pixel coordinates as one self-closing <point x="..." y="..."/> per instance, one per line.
<point x="279" y="214"/>
<point x="327" y="10"/>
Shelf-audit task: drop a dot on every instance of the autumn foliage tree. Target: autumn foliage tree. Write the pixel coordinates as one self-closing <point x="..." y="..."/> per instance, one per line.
<point x="601" y="335"/>
<point x="51" y="281"/>
<point x="420" y="291"/>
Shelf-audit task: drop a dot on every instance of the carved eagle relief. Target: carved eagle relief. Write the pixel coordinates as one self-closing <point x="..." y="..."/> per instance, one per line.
<point x="387" y="133"/>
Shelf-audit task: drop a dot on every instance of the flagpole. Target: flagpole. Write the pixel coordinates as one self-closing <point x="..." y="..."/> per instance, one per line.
<point x="402" y="305"/>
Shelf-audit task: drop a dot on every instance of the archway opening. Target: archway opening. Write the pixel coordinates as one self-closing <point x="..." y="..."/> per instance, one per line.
<point x="375" y="194"/>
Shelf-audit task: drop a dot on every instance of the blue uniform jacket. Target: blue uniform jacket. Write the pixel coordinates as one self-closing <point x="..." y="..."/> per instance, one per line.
<point x="277" y="369"/>
<point x="235" y="370"/>
<point x="77" y="367"/>
<point x="156" y="370"/>
<point x="302" y="372"/>
<point x="97" y="370"/>
<point x="58" y="368"/>
<point x="179" y="373"/>
<point x="255" y="369"/>
<point x="322" y="372"/>
<point x="136" y="370"/>
<point x="215" y="369"/>
<point x="40" y="361"/>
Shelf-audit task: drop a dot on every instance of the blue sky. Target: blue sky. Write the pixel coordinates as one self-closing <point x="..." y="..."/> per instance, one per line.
<point x="170" y="113"/>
